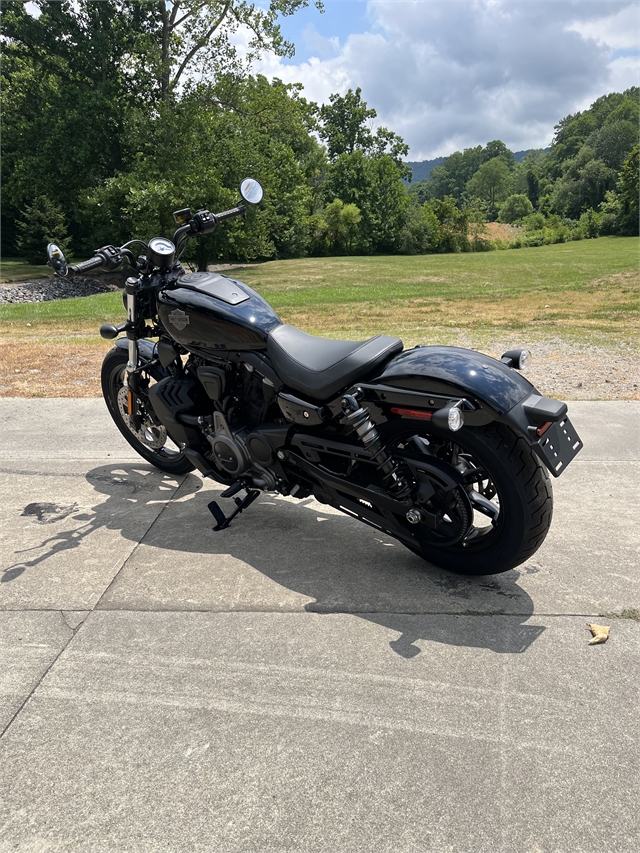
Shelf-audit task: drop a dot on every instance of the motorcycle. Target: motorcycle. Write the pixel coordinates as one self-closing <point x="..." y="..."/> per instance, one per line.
<point x="445" y="449"/>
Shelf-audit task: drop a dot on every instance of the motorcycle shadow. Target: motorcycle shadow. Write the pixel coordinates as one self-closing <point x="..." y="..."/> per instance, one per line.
<point x="283" y="555"/>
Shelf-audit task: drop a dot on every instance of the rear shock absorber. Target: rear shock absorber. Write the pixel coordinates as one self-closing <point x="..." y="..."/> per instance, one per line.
<point x="359" y="419"/>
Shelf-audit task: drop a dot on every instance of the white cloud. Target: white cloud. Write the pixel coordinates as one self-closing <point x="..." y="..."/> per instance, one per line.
<point x="618" y="31"/>
<point x="448" y="75"/>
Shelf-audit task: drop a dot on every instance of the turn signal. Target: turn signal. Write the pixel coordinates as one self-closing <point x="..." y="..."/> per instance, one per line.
<point x="518" y="358"/>
<point x="450" y="417"/>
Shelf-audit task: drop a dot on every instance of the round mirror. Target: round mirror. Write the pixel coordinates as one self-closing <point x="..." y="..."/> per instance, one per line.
<point x="251" y="191"/>
<point x="57" y="260"/>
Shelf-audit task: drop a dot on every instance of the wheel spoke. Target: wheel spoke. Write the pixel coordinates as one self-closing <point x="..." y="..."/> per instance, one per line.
<point x="484" y="505"/>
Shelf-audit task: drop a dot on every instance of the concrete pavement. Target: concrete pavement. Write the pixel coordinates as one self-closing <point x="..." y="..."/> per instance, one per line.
<point x="301" y="682"/>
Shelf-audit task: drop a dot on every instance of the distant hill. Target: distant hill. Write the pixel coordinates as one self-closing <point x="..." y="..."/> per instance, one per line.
<point x="422" y="168"/>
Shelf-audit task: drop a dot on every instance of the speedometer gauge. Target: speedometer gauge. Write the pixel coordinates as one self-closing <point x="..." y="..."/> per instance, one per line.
<point x="161" y="252"/>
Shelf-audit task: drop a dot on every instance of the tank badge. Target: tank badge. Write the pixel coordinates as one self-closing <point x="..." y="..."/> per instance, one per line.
<point x="179" y="319"/>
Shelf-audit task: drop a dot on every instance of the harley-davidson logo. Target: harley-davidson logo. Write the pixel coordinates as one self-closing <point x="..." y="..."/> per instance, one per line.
<point x="179" y="319"/>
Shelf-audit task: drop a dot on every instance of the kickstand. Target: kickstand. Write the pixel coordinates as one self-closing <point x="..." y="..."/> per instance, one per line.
<point x="225" y="520"/>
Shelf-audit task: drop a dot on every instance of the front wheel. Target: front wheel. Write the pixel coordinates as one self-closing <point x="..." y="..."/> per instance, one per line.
<point x="142" y="430"/>
<point x="502" y="513"/>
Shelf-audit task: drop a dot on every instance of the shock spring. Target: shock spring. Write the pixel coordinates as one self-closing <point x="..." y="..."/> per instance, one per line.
<point x="359" y="419"/>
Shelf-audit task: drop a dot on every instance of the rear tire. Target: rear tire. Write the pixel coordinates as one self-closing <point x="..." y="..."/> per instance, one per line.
<point x="150" y="439"/>
<point x="516" y="484"/>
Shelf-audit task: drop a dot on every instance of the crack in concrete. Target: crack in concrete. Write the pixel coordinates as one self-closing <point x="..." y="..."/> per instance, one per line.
<point x="139" y="542"/>
<point x="39" y="681"/>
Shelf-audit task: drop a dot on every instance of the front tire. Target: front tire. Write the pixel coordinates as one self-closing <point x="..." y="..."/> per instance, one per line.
<point x="511" y="495"/>
<point x="146" y="435"/>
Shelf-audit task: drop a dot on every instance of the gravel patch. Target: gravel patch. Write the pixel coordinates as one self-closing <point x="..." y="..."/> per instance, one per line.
<point x="573" y="371"/>
<point x="46" y="289"/>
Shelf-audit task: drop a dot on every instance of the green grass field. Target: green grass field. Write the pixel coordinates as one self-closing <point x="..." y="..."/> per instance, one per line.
<point x="579" y="298"/>
<point x="582" y="289"/>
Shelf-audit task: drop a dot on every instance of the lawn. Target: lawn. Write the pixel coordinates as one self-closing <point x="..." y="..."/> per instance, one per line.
<point x="583" y="293"/>
<point x="16" y="269"/>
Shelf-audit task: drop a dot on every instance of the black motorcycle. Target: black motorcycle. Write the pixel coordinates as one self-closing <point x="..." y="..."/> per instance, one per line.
<point x="443" y="448"/>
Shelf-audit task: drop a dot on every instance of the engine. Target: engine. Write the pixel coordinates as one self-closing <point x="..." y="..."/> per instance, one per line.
<point x="217" y="415"/>
<point x="240" y="453"/>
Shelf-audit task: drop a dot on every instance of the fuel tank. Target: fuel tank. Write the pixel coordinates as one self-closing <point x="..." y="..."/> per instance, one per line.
<point x="209" y="311"/>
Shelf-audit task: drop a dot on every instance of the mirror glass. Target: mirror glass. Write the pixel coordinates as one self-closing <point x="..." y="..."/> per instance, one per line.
<point x="251" y="191"/>
<point x="57" y="260"/>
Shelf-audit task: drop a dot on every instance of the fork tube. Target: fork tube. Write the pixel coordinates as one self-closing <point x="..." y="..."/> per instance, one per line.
<point x="130" y="286"/>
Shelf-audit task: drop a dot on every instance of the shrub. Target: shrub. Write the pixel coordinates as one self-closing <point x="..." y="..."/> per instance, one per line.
<point x="515" y="207"/>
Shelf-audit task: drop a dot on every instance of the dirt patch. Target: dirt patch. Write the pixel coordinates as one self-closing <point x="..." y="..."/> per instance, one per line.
<point x="50" y="370"/>
<point x="502" y="231"/>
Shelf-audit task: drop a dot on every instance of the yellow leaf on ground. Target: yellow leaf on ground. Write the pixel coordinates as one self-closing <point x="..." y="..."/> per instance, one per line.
<point x="600" y="633"/>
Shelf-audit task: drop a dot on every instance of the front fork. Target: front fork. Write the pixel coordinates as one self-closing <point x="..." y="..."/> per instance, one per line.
<point x="131" y="378"/>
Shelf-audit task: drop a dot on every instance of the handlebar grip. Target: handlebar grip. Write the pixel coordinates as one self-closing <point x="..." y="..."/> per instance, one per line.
<point x="85" y="266"/>
<point x="229" y="214"/>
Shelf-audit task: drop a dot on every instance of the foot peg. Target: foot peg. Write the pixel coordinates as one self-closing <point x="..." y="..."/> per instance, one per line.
<point x="223" y="521"/>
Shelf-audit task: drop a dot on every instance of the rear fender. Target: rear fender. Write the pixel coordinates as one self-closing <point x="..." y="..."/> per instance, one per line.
<point x="428" y="378"/>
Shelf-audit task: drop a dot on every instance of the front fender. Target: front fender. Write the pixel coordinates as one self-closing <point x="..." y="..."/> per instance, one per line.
<point x="146" y="352"/>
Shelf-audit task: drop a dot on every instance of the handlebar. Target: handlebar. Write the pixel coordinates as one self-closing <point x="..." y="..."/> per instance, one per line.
<point x="204" y="221"/>
<point x="240" y="210"/>
<point x="85" y="266"/>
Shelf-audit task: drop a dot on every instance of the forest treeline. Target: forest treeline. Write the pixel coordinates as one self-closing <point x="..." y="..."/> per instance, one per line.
<point x="111" y="121"/>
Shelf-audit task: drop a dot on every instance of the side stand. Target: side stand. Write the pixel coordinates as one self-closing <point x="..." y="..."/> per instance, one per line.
<point x="225" y="520"/>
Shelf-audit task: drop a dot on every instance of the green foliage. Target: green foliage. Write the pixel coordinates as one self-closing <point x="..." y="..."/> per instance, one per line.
<point x="514" y="208"/>
<point x="375" y="186"/>
<point x="583" y="184"/>
<point x="102" y="118"/>
<point x="573" y="131"/>
<point x="42" y="222"/>
<point x="491" y="183"/>
<point x="628" y="194"/>
<point x="343" y="125"/>
<point x="453" y="225"/>
<point x="421" y="232"/>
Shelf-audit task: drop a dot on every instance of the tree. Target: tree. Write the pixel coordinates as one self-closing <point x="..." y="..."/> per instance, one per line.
<point x="374" y="185"/>
<point x="420" y="234"/>
<point x="620" y="214"/>
<point x="453" y="231"/>
<point x="583" y="184"/>
<point x="83" y="80"/>
<point x="41" y="223"/>
<point x="573" y="131"/>
<point x="515" y="207"/>
<point x="205" y="152"/>
<point x="451" y="177"/>
<point x="491" y="183"/>
<point x="343" y="126"/>
<point x="613" y="142"/>
<point x="202" y="31"/>
<point x="497" y="148"/>
<point x="342" y="224"/>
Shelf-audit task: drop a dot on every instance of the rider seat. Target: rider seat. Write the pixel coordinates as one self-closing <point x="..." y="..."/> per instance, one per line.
<point x="321" y="368"/>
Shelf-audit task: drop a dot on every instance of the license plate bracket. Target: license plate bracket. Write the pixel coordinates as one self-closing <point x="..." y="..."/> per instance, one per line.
<point x="559" y="445"/>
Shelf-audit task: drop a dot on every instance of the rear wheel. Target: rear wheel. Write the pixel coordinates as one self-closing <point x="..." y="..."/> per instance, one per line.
<point x="142" y="430"/>
<point x="501" y="514"/>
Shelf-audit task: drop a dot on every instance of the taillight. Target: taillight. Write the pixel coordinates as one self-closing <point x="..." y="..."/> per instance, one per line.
<point x="412" y="413"/>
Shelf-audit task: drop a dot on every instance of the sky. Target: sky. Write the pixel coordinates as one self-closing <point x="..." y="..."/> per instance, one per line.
<point x="455" y="74"/>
